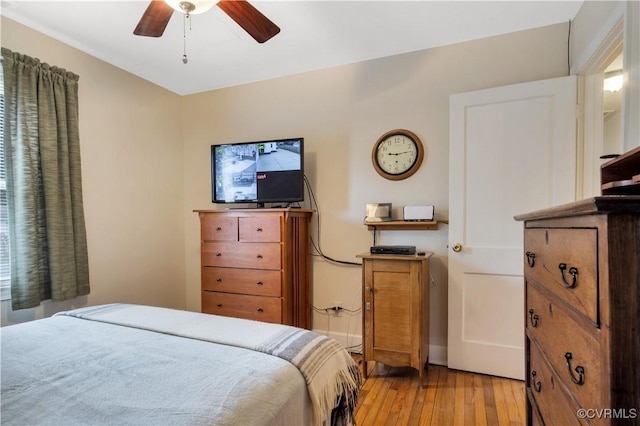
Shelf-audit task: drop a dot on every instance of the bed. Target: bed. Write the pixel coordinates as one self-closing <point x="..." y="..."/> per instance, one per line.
<point x="125" y="364"/>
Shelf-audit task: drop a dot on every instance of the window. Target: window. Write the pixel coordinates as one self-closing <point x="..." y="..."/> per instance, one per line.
<point x="5" y="264"/>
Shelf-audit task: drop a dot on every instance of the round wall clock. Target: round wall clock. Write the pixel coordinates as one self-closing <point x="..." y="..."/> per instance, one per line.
<point x="397" y="154"/>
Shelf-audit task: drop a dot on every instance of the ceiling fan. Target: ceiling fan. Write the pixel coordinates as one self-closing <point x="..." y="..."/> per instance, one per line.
<point x="156" y="17"/>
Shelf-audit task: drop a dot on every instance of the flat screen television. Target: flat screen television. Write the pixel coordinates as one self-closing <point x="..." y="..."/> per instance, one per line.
<point x="258" y="172"/>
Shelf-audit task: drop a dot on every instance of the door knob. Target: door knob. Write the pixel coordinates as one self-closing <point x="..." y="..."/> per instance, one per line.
<point x="457" y="247"/>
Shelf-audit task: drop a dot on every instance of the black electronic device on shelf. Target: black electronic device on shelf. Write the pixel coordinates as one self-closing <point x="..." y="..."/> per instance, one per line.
<point x="393" y="250"/>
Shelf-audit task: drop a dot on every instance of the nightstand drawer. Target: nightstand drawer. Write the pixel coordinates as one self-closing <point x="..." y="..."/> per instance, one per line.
<point x="218" y="228"/>
<point x="245" y="281"/>
<point x="259" y="308"/>
<point x="550" y="398"/>
<point x="565" y="262"/>
<point x="259" y="229"/>
<point x="573" y="351"/>
<point x="242" y="255"/>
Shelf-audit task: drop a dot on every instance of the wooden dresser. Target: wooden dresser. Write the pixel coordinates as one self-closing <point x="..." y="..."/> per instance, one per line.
<point x="395" y="301"/>
<point x="256" y="264"/>
<point x="582" y="312"/>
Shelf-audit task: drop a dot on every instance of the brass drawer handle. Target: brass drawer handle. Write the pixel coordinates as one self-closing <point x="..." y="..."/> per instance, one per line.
<point x="572" y="271"/>
<point x="258" y="256"/>
<point x="579" y="369"/>
<point x="259" y="283"/>
<point x="258" y="229"/>
<point x="531" y="258"/>
<point x="218" y="254"/>
<point x="536" y="385"/>
<point x="260" y="310"/>
<point x="219" y="305"/>
<point x="534" y="318"/>
<point x="219" y="280"/>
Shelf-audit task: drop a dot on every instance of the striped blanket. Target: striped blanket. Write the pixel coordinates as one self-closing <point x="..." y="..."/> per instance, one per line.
<point x="333" y="379"/>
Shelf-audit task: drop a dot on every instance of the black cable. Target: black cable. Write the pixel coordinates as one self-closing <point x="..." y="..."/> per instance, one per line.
<point x="331" y="308"/>
<point x="569" y="49"/>
<point x="317" y="248"/>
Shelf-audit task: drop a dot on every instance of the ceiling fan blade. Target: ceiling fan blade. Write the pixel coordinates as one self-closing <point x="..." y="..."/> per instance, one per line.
<point x="154" y="20"/>
<point x="250" y="19"/>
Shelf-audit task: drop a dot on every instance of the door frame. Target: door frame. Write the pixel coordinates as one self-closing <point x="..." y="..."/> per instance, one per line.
<point x="590" y="117"/>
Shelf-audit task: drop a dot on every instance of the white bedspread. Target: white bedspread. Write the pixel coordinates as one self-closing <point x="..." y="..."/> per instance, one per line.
<point x="66" y="370"/>
<point x="333" y="379"/>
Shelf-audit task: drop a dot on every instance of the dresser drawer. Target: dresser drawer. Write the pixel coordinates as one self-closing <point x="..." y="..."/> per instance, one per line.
<point x="565" y="261"/>
<point x="573" y="351"/>
<point x="242" y="255"/>
<point x="214" y="227"/>
<point x="260" y="308"/>
<point x="551" y="400"/>
<point x="259" y="229"/>
<point x="245" y="281"/>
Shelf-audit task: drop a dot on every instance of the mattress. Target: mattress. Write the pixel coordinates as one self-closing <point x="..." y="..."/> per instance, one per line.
<point x="128" y="364"/>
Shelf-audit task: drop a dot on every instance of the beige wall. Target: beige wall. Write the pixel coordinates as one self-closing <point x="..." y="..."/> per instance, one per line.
<point x="341" y="112"/>
<point x="146" y="160"/>
<point x="132" y="168"/>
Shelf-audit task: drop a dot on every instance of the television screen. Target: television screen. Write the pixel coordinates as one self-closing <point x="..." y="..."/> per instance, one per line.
<point x="258" y="172"/>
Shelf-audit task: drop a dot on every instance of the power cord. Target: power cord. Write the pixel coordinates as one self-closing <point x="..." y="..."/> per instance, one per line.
<point x="317" y="247"/>
<point x="336" y="309"/>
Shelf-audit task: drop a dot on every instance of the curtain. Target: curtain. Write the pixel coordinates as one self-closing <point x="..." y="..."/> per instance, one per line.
<point x="47" y="235"/>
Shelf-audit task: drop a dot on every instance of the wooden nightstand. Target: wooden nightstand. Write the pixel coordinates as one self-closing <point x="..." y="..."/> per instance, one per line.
<point x="395" y="300"/>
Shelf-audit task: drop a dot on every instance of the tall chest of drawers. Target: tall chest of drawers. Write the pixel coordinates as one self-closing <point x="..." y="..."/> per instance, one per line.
<point x="582" y="312"/>
<point x="256" y="264"/>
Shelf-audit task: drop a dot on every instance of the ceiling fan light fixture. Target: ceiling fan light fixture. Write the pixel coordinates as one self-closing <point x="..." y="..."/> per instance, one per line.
<point x="191" y="7"/>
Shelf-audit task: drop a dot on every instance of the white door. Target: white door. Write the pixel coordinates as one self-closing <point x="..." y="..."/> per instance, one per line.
<point x="512" y="151"/>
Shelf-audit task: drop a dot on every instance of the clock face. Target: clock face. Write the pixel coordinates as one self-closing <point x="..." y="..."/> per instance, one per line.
<point x="397" y="154"/>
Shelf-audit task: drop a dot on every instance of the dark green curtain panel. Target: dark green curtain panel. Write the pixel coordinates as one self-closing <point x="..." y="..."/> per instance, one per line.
<point x="42" y="152"/>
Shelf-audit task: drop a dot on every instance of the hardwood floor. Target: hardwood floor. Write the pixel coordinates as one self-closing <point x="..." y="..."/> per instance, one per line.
<point x="393" y="396"/>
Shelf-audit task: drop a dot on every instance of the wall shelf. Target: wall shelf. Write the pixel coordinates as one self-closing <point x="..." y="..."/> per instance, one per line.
<point x="402" y="225"/>
<point x="621" y="176"/>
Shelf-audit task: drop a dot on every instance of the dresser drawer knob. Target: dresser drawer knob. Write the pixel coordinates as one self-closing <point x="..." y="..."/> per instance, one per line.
<point x="258" y="229"/>
<point x="260" y="310"/>
<point x="572" y="271"/>
<point x="534" y="318"/>
<point x="536" y="385"/>
<point x="218" y="254"/>
<point x="579" y="369"/>
<point x="218" y="228"/>
<point x="219" y="280"/>
<point x="219" y="305"/>
<point x="531" y="258"/>
<point x="259" y="283"/>
<point x="258" y="256"/>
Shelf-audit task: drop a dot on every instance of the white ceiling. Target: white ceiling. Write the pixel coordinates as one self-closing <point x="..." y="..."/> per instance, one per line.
<point x="314" y="34"/>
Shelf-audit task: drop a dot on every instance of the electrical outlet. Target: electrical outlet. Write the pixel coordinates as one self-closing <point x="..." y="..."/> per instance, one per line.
<point x="337" y="308"/>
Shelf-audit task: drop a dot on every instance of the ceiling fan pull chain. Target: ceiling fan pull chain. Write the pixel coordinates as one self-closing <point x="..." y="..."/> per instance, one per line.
<point x="184" y="38"/>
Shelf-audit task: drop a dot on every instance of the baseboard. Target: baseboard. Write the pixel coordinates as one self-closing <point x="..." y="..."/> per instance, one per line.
<point x="438" y="355"/>
<point x="353" y="343"/>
